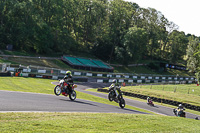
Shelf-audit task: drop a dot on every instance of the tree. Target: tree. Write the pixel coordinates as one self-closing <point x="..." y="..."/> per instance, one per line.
<point x="178" y="44"/>
<point x="120" y="17"/>
<point x="135" y="42"/>
<point x="193" y="55"/>
<point x="156" y="26"/>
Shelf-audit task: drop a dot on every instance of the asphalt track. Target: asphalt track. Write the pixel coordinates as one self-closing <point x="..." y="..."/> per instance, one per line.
<point x="162" y="110"/>
<point x="11" y="101"/>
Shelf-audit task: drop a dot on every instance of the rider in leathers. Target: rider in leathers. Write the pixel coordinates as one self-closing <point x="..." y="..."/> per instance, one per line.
<point x="68" y="79"/>
<point x="180" y="109"/>
<point x="115" y="87"/>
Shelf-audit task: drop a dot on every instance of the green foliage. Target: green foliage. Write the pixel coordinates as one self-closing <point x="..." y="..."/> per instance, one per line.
<point x="193" y="56"/>
<point x="135" y="42"/>
<point x="154" y="66"/>
<point x="113" y="30"/>
<point x="178" y="42"/>
<point x="193" y="59"/>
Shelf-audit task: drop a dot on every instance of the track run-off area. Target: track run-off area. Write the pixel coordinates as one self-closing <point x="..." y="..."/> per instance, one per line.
<point x="11" y="101"/>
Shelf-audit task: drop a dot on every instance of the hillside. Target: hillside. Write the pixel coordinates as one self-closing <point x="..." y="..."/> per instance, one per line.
<point x="100" y="28"/>
<point x="56" y="62"/>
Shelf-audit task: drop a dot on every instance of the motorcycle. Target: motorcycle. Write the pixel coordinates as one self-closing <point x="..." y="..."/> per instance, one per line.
<point x="179" y="112"/>
<point x="66" y="89"/>
<point x="118" y="99"/>
<point x="150" y="103"/>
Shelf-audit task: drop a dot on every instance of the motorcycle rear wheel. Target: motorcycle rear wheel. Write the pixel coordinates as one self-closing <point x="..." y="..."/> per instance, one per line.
<point x="122" y="103"/>
<point x="72" y="96"/>
<point x="57" y="90"/>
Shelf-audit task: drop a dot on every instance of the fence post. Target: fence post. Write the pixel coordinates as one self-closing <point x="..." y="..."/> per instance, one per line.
<point x="175" y="89"/>
<point x="189" y="91"/>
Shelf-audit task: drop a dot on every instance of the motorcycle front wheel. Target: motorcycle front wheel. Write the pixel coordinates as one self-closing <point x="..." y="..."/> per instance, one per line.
<point x="72" y="96"/>
<point x="57" y="90"/>
<point x="122" y="103"/>
<point x="110" y="96"/>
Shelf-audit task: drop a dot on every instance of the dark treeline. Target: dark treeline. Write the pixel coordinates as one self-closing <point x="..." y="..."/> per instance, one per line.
<point x="109" y="29"/>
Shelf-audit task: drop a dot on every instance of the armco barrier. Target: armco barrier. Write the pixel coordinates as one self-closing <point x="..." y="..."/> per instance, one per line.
<point x="79" y="79"/>
<point x="106" y="77"/>
<point x="166" y="101"/>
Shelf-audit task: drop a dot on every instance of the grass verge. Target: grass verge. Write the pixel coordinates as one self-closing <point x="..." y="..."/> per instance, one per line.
<point x="94" y="122"/>
<point x="170" y="92"/>
<point x="142" y="100"/>
<point x="83" y="122"/>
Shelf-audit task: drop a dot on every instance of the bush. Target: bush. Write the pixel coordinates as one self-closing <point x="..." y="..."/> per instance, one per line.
<point x="154" y="66"/>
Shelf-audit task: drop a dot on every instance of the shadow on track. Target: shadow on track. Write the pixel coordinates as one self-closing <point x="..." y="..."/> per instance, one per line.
<point x="134" y="111"/>
<point x="78" y="102"/>
<point x="153" y="106"/>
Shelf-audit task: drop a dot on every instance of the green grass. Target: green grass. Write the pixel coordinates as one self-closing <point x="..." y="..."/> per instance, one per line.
<point x="6" y="61"/>
<point x="7" y="52"/>
<point x="51" y="63"/>
<point x="83" y="122"/>
<point x="147" y="70"/>
<point x="61" y="64"/>
<point x="157" y="103"/>
<point x="95" y="122"/>
<point x="175" y="72"/>
<point x="134" y="70"/>
<point x="35" y="85"/>
<point x="170" y="92"/>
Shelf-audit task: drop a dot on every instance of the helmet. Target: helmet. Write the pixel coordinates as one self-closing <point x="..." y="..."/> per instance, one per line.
<point x="180" y="105"/>
<point x="114" y="81"/>
<point x="68" y="73"/>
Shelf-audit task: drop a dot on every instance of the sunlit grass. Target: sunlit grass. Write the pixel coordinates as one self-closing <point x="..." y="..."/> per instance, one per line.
<point x="183" y="93"/>
<point x="144" y="100"/>
<point x="83" y="122"/>
<point x="95" y="122"/>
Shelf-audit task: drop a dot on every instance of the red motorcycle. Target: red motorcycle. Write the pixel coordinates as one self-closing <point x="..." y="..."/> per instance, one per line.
<point x="150" y="103"/>
<point x="66" y="89"/>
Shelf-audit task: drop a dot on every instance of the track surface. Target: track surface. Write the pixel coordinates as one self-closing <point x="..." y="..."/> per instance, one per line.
<point x="22" y="101"/>
<point x="157" y="108"/>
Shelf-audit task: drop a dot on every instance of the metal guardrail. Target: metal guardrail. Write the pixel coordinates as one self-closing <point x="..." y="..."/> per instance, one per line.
<point x="100" y="77"/>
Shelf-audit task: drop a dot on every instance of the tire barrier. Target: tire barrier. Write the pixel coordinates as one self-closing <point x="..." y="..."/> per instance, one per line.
<point x="160" y="100"/>
<point x="8" y="73"/>
<point x="31" y="75"/>
<point x="47" y="77"/>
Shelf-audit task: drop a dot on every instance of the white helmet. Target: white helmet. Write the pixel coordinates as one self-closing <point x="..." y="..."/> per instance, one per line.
<point x="114" y="81"/>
